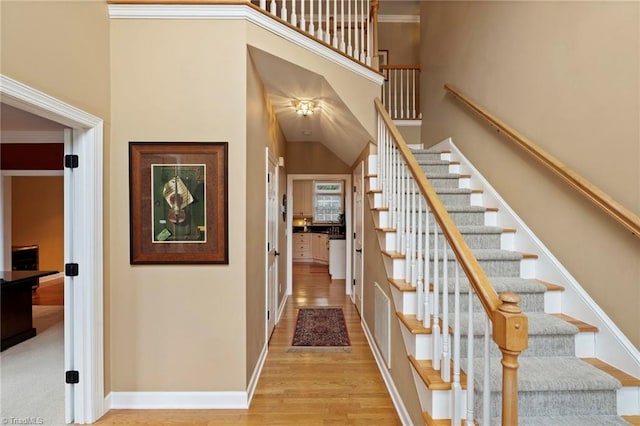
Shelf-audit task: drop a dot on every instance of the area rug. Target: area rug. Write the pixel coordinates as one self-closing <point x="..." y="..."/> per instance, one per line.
<point x="320" y="329"/>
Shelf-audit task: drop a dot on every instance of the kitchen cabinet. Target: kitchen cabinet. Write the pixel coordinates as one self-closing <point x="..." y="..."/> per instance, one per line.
<point x="320" y="248"/>
<point x="302" y="198"/>
<point x="302" y="247"/>
<point x="310" y="247"/>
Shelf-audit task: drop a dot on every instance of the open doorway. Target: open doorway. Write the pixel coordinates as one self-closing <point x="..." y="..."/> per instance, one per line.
<point x="319" y="235"/>
<point x="83" y="245"/>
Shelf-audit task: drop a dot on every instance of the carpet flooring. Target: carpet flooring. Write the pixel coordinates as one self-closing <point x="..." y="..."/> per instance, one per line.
<point x="320" y="330"/>
<point x="32" y="373"/>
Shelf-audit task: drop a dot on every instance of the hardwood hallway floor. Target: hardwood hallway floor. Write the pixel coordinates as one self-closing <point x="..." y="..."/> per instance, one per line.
<point x="299" y="388"/>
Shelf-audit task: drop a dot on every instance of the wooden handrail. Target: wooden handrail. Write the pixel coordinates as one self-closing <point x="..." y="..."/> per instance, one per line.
<point x="510" y="325"/>
<point x="624" y="216"/>
<point x="477" y="277"/>
<point x="402" y="67"/>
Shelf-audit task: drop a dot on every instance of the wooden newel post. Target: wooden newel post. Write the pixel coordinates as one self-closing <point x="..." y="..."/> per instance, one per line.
<point x="510" y="332"/>
<point x="374" y="23"/>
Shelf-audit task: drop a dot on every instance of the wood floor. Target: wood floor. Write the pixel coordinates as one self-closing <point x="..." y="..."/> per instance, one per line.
<point x="331" y="388"/>
<point x="52" y="294"/>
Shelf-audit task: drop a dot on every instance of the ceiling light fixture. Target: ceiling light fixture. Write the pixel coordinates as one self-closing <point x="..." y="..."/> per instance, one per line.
<point x="304" y="107"/>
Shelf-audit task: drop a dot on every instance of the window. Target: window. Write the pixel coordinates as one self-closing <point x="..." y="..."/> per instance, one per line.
<point x="327" y="202"/>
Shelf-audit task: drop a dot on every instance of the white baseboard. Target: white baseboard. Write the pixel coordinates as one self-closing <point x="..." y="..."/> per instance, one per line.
<point x="256" y="373"/>
<point x="281" y="308"/>
<point x="177" y="400"/>
<point x="388" y="380"/>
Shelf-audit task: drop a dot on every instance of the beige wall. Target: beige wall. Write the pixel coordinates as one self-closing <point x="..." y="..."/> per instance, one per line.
<point x="262" y="131"/>
<point x="62" y="49"/>
<point x="402" y="40"/>
<point x="566" y="75"/>
<point x="313" y="158"/>
<point x="37" y="204"/>
<point x="186" y="321"/>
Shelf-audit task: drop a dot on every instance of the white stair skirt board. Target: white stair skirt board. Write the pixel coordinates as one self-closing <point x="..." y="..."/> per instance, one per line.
<point x="612" y="346"/>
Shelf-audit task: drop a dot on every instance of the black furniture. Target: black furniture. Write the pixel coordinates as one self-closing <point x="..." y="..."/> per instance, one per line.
<point x="16" y="307"/>
<point x="25" y="258"/>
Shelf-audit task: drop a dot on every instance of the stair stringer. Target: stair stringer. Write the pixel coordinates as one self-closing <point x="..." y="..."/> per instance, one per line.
<point x="611" y="345"/>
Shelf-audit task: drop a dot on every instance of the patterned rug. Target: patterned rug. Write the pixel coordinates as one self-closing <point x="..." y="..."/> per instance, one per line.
<point x="320" y="329"/>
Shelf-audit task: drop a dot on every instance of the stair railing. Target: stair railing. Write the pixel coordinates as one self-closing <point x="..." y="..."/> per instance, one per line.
<point x="349" y="26"/>
<point x="401" y="91"/>
<point x="624" y="216"/>
<point x="426" y="237"/>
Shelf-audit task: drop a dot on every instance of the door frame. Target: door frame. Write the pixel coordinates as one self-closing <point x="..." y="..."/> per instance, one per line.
<point x="87" y="241"/>
<point x="348" y="193"/>
<point x="361" y="168"/>
<point x="271" y="302"/>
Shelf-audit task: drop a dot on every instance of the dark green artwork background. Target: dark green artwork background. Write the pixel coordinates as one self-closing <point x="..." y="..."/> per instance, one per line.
<point x="192" y="229"/>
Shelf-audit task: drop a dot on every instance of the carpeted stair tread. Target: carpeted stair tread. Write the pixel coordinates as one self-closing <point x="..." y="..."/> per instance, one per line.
<point x="502" y="284"/>
<point x="569" y="421"/>
<point x="540" y="324"/>
<point x="544" y="374"/>
<point x="487" y="254"/>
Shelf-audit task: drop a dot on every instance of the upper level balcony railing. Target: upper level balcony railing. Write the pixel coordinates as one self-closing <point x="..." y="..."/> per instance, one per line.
<point x="401" y="91"/>
<point x="346" y="25"/>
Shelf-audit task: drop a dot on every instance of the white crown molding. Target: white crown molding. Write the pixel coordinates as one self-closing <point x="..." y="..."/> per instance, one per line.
<point x="24" y="97"/>
<point x="231" y="12"/>
<point x="399" y="19"/>
<point x="20" y="136"/>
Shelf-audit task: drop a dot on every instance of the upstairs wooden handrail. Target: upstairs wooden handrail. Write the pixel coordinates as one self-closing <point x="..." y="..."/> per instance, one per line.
<point x="624" y="216"/>
<point x="401" y="67"/>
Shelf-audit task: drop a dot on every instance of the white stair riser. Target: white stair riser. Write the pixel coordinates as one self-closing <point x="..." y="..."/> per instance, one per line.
<point x="418" y="345"/>
<point x="405" y="301"/>
<point x="438" y="403"/>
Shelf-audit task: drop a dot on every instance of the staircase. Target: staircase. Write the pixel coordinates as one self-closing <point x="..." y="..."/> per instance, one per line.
<point x="560" y="380"/>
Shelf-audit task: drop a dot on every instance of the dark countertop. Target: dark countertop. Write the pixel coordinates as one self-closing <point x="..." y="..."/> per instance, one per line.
<point x="12" y="277"/>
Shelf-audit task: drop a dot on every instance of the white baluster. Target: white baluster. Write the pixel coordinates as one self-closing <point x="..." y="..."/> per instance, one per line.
<point x="283" y="11"/>
<point x="335" y="23"/>
<point x="398" y="225"/>
<point x="470" y="372"/>
<point x="327" y="27"/>
<point x="413" y="97"/>
<point x="263" y="4"/>
<point x="395" y="94"/>
<point x="319" y="33"/>
<point x="294" y="17"/>
<point x="387" y="84"/>
<point x="393" y="194"/>
<point x="456" y="387"/>
<point x="363" y="17"/>
<point x="343" y="46"/>
<point x="486" y="395"/>
<point x="427" y="277"/>
<point x="312" y="27"/>
<point x="414" y="236"/>
<point x="402" y="94"/>
<point x="407" y="229"/>
<point x="348" y="29"/>
<point x="356" y="35"/>
<point x="436" y="300"/>
<point x="369" y="35"/>
<point x="302" y="22"/>
<point x="420" y="277"/>
<point x="446" y="344"/>
<point x="274" y="8"/>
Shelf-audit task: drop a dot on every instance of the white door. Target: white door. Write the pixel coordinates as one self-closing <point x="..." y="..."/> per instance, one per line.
<point x="69" y="210"/>
<point x="357" y="240"/>
<point x="272" y="241"/>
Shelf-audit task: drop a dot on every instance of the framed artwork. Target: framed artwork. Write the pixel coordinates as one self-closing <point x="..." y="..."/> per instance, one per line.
<point x="178" y="203"/>
<point x="383" y="59"/>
